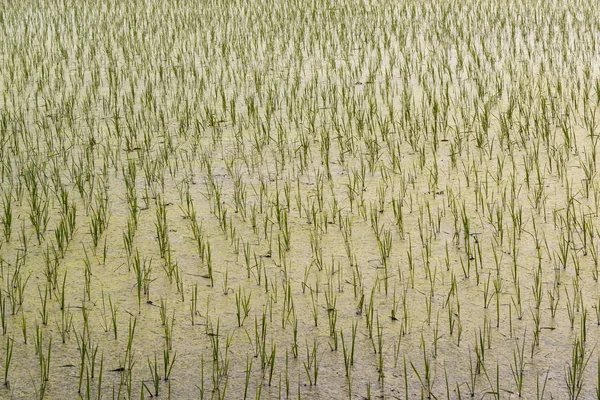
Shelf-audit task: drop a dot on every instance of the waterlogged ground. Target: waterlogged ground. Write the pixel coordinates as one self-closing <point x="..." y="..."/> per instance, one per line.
<point x="309" y="199"/>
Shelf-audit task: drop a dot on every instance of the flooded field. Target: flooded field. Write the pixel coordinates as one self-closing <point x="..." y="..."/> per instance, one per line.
<point x="310" y="199"/>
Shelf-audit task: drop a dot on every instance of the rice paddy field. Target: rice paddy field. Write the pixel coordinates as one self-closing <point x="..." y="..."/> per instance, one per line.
<point x="309" y="199"/>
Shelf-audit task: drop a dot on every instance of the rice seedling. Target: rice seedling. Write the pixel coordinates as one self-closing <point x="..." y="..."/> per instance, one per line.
<point x="155" y="378"/>
<point x="311" y="365"/>
<point x="10" y="343"/>
<point x="44" y="305"/>
<point x="162" y="233"/>
<point x="7" y="214"/>
<point x="574" y="371"/>
<point x="517" y="368"/>
<point x="113" y="314"/>
<point x="426" y="378"/>
<point x="168" y="362"/>
<point x="540" y="391"/>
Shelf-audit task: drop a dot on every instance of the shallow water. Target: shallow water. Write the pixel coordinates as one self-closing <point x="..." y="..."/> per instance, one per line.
<point x="418" y="174"/>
